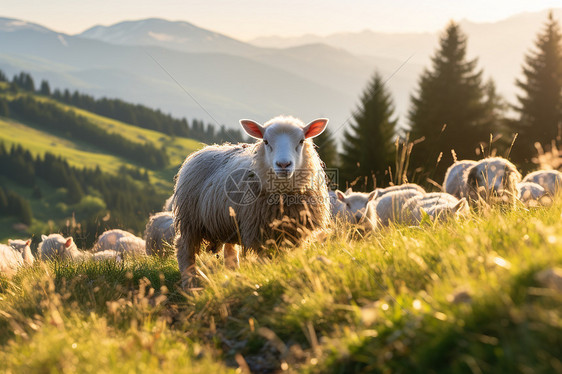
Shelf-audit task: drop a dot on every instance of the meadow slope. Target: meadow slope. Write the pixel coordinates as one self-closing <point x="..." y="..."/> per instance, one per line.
<point x="454" y="298"/>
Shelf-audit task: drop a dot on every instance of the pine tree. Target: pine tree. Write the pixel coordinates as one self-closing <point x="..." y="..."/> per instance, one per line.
<point x="327" y="149"/>
<point x="540" y="104"/>
<point x="368" y="146"/>
<point x="45" y="89"/>
<point x="451" y="109"/>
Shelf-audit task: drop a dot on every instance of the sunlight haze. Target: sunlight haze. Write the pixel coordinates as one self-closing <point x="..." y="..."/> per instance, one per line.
<point x="248" y="19"/>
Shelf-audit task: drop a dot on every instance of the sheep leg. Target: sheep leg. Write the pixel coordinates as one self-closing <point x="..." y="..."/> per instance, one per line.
<point x="231" y="256"/>
<point x="187" y="247"/>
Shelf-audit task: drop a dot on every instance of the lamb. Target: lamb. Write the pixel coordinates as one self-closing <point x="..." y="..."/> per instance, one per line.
<point x="389" y="207"/>
<point x="14" y="255"/>
<point x="438" y="206"/>
<point x="122" y="242"/>
<point x="455" y="178"/>
<point x="493" y="180"/>
<point x="351" y="206"/>
<point x="272" y="191"/>
<point x="56" y="247"/>
<point x="550" y="180"/>
<point x="533" y="194"/>
<point x="159" y="234"/>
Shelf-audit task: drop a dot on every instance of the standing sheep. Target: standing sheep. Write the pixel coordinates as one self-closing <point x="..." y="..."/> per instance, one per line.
<point x="246" y="194"/>
<point x="550" y="180"/>
<point x="14" y="256"/>
<point x="455" y="178"/>
<point x="493" y="180"/>
<point x="159" y="234"/>
<point x="56" y="247"/>
<point x="389" y="207"/>
<point x="439" y="206"/>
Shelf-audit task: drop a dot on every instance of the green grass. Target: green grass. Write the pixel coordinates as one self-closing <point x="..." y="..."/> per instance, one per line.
<point x="380" y="304"/>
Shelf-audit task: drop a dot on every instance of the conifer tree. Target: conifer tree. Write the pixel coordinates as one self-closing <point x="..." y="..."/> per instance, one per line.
<point x="540" y="104"/>
<point x="368" y="145"/>
<point x="327" y="148"/>
<point x="451" y="109"/>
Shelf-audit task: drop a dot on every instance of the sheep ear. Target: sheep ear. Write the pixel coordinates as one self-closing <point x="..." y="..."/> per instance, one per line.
<point x="43" y="237"/>
<point x="315" y="128"/>
<point x="340" y="195"/>
<point x="460" y="205"/>
<point x="68" y="242"/>
<point x="372" y="195"/>
<point x="10" y="241"/>
<point x="254" y="129"/>
<point x="28" y="242"/>
<point x="348" y="191"/>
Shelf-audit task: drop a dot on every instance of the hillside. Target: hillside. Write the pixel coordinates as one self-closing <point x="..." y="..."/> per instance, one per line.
<point x="72" y="195"/>
<point x="472" y="296"/>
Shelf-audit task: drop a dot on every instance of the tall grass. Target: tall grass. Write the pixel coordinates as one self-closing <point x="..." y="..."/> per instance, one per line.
<point x="457" y="297"/>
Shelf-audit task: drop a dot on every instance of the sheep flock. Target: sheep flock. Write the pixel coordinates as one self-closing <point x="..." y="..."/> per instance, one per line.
<point x="274" y="192"/>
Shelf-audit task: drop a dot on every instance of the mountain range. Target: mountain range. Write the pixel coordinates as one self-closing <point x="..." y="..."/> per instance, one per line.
<point x="189" y="71"/>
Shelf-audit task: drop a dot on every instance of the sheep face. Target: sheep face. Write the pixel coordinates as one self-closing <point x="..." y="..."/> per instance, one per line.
<point x="355" y="204"/>
<point x="494" y="180"/>
<point x="283" y="139"/>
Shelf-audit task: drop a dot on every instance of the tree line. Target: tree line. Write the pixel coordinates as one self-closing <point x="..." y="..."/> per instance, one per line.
<point x="50" y="116"/>
<point x="127" y="202"/>
<point x="454" y="114"/>
<point x="134" y="114"/>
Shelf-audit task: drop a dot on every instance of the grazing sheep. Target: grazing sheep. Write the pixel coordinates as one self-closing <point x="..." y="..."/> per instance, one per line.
<point x="14" y="256"/>
<point x="439" y="206"/>
<point x="389" y="207"/>
<point x="122" y="242"/>
<point x="550" y="180"/>
<point x="352" y="206"/>
<point x="493" y="180"/>
<point x="159" y="234"/>
<point x="22" y="246"/>
<point x="380" y="192"/>
<point x="273" y="191"/>
<point x="455" y="178"/>
<point x="56" y="247"/>
<point x="533" y="194"/>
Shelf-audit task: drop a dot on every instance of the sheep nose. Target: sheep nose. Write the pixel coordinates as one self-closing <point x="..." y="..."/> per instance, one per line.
<point x="284" y="165"/>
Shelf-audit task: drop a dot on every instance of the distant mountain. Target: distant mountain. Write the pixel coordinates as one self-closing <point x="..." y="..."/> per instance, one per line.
<point x="499" y="46"/>
<point x="179" y="35"/>
<point x="225" y="87"/>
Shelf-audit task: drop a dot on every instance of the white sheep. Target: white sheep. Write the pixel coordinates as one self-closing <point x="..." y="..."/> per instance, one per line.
<point x="351" y="206"/>
<point x="159" y="234"/>
<point x="14" y="255"/>
<point x="123" y="242"/>
<point x="56" y="247"/>
<point x="533" y="194"/>
<point x="388" y="208"/>
<point x="273" y="191"/>
<point x="493" y="180"/>
<point x="455" y="178"/>
<point x="550" y="180"/>
<point x="380" y="192"/>
<point x="439" y="206"/>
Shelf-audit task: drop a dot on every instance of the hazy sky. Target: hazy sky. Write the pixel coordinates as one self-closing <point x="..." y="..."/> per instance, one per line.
<point x="247" y="19"/>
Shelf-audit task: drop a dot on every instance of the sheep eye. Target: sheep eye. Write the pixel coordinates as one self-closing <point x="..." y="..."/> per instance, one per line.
<point x="302" y="141"/>
<point x="265" y="142"/>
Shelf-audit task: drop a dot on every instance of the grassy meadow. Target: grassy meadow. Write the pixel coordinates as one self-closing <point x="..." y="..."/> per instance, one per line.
<point x="459" y="297"/>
